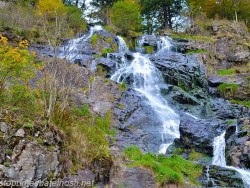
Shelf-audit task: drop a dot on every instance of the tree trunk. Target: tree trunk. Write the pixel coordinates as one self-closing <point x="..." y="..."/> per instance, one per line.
<point x="167" y="18"/>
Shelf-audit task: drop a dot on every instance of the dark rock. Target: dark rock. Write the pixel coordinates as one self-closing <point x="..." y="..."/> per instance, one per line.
<point x="137" y="124"/>
<point x="238" y="145"/>
<point x="243" y="57"/>
<point x="122" y="174"/>
<point x="149" y="40"/>
<point x="221" y="177"/>
<point x="180" y="70"/>
<point x="198" y="134"/>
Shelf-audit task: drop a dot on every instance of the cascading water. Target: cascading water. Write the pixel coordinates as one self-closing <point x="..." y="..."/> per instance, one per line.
<point x="72" y="49"/>
<point x="146" y="80"/>
<point x="219" y="146"/>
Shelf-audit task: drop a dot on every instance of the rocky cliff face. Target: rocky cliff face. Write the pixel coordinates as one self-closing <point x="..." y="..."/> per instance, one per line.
<point x="191" y="89"/>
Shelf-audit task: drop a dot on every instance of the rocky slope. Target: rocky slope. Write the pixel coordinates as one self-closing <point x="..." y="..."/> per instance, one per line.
<point x="35" y="154"/>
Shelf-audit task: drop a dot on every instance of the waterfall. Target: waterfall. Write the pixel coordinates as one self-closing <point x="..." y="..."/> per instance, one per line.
<point x="219" y="146"/>
<point x="164" y="43"/>
<point x="122" y="45"/>
<point x="72" y="50"/>
<point x="147" y="80"/>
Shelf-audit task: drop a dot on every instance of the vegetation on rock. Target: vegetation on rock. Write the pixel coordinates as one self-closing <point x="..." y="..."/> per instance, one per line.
<point x="167" y="170"/>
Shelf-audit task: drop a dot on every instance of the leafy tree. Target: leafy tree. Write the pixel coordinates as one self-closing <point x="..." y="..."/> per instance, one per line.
<point x="103" y="6"/>
<point x="15" y="63"/>
<point x="126" y="16"/>
<point x="161" y="11"/>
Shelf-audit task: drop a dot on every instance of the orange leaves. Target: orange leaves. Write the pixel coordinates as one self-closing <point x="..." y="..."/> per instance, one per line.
<point x="23" y="44"/>
<point x="51" y="7"/>
<point x="3" y="40"/>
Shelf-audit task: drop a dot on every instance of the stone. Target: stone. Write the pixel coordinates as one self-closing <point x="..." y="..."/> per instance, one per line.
<point x="4" y="127"/>
<point x="20" y="133"/>
<point x="221" y="177"/>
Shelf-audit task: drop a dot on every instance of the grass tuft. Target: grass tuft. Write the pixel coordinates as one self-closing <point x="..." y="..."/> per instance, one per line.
<point x="173" y="169"/>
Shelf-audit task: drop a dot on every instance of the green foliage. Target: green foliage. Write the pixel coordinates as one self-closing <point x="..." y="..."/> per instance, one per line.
<point x="229" y="122"/>
<point x="173" y="169"/>
<point x="226" y="72"/>
<point x="74" y="18"/>
<point x="106" y="51"/>
<point x="195" y="156"/>
<point x="243" y="103"/>
<point x="126" y="16"/>
<point x="101" y="71"/>
<point x="122" y="86"/>
<point x="149" y="49"/>
<point x="83" y="111"/>
<point x="228" y="89"/>
<point x="93" y="40"/>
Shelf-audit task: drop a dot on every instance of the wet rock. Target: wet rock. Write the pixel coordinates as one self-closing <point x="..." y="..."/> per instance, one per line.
<point x="105" y="40"/>
<point x="238" y="145"/>
<point x="221" y="177"/>
<point x="198" y="134"/>
<point x="180" y="70"/>
<point x="149" y="40"/>
<point x="185" y="98"/>
<point x="136" y="123"/>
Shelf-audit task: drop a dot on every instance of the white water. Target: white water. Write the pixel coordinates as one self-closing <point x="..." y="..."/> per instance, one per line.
<point x="164" y="43"/>
<point x="73" y="49"/>
<point x="122" y="45"/>
<point x="146" y="80"/>
<point x="219" y="146"/>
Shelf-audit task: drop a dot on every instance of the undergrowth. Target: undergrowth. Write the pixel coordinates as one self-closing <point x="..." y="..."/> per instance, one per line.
<point x="167" y="170"/>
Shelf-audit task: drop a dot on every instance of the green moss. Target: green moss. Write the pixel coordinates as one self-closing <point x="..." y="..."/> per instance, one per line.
<point x="243" y="103"/>
<point x="231" y="121"/>
<point x="196" y="51"/>
<point x="173" y="169"/>
<point x="149" y="49"/>
<point x="121" y="106"/>
<point x="122" y="86"/>
<point x="93" y="40"/>
<point x="8" y="152"/>
<point x="106" y="51"/>
<point x="195" y="156"/>
<point x="226" y="72"/>
<point x="228" y="89"/>
<point x="101" y="71"/>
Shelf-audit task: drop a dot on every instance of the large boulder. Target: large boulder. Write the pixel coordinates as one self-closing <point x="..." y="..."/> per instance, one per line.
<point x="198" y="134"/>
<point x="215" y="176"/>
<point x="136" y="123"/>
<point x="238" y="145"/>
<point x="181" y="70"/>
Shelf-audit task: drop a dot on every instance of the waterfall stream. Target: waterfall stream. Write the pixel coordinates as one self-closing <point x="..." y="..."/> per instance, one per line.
<point x="219" y="146"/>
<point x="147" y="80"/>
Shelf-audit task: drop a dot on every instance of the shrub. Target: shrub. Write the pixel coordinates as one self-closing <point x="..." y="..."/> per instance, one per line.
<point x="93" y="40"/>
